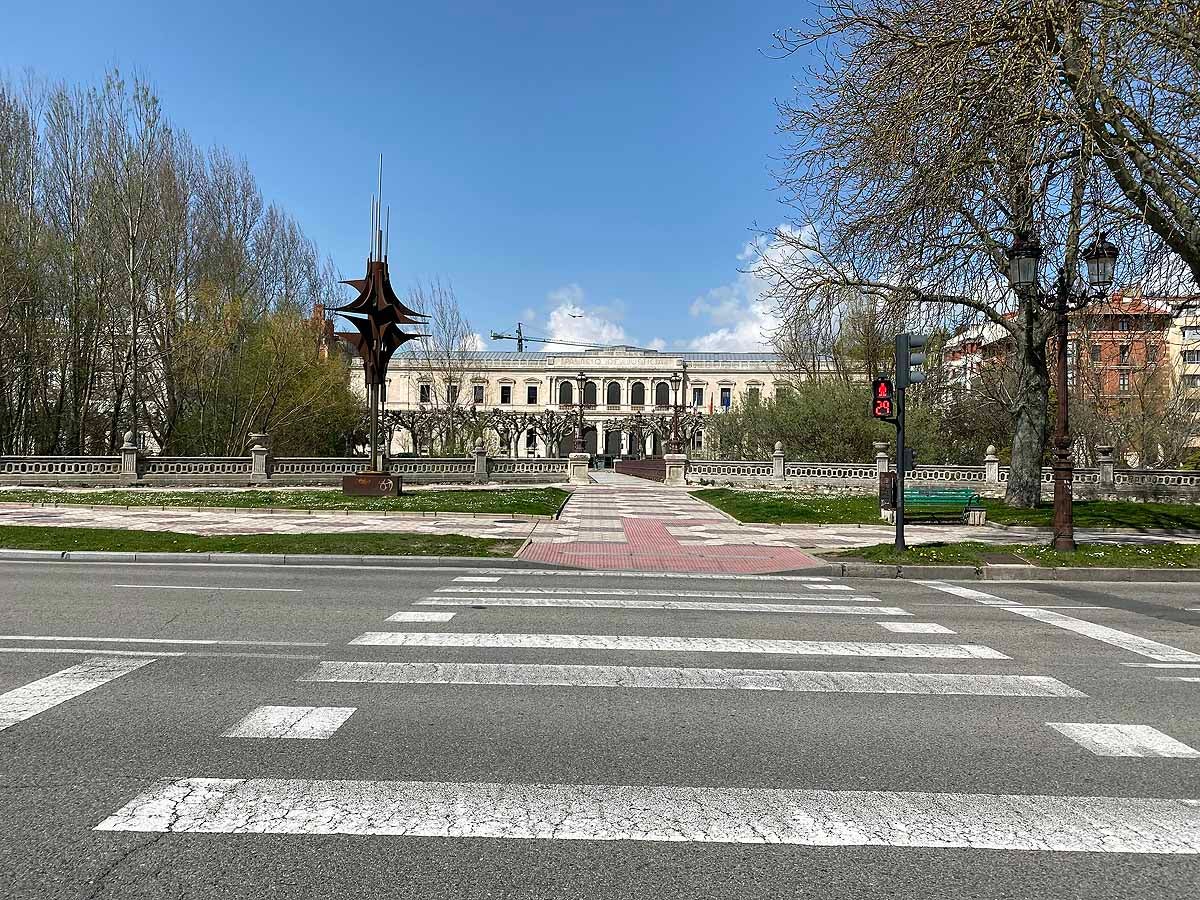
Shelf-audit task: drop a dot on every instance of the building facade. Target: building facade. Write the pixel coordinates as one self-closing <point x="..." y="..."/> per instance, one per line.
<point x="618" y="384"/>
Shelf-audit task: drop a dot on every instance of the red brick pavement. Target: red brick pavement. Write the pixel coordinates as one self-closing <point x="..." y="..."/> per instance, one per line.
<point x="649" y="547"/>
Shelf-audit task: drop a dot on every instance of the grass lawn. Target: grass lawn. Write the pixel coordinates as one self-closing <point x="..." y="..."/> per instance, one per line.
<point x="786" y="506"/>
<point x="1103" y="513"/>
<point x="23" y="537"/>
<point x="527" y="501"/>
<point x="974" y="553"/>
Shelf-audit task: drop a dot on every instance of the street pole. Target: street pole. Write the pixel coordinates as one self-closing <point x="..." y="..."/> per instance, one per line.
<point x="580" y="446"/>
<point x="1064" y="466"/>
<point x="899" y="504"/>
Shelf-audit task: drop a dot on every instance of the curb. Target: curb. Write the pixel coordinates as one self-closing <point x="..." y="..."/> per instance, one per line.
<point x="276" y="559"/>
<point x="1004" y="572"/>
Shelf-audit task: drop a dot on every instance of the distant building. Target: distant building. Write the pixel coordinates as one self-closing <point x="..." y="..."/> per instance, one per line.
<point x="619" y="382"/>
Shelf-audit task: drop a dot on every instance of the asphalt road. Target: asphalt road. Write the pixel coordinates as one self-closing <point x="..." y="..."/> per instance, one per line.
<point x="840" y="760"/>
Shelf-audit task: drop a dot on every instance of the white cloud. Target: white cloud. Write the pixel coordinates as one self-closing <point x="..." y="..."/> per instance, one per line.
<point x="475" y="342"/>
<point x="570" y="320"/>
<point x="744" y="323"/>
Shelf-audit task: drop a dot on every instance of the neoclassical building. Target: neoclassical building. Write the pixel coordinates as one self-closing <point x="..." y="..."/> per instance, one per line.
<point x="617" y="383"/>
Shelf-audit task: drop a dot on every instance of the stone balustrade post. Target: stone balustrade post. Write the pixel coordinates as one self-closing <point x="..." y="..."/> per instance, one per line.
<point x="991" y="465"/>
<point x="778" y="469"/>
<point x="1106" y="463"/>
<point x="260" y="458"/>
<point x="481" y="462"/>
<point x="577" y="468"/>
<point x="131" y="472"/>
<point x="676" y="469"/>
<point x="882" y="465"/>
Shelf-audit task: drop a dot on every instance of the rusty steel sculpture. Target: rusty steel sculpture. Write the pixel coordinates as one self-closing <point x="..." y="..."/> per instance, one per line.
<point x="378" y="315"/>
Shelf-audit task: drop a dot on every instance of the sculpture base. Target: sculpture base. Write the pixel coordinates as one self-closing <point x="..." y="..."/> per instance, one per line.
<point x="372" y="484"/>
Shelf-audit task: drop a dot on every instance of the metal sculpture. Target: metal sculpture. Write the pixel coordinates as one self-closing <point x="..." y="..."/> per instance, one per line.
<point x="378" y="315"/>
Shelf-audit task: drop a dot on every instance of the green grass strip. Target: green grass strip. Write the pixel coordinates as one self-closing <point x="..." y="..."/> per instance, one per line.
<point x="975" y="553"/>
<point x="523" y="501"/>
<point x="789" y="507"/>
<point x="35" y="537"/>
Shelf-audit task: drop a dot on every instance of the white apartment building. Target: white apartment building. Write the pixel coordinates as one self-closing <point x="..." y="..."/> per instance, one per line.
<point x="617" y="383"/>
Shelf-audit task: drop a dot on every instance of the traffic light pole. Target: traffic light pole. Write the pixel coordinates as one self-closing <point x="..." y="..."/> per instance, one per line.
<point x="899" y="504"/>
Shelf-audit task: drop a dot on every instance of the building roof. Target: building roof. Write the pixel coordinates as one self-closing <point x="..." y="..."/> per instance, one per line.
<point x="497" y="356"/>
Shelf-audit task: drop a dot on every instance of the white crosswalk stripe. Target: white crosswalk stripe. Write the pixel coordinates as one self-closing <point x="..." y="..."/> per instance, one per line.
<point x="639" y="813"/>
<point x="915" y="627"/>
<point x="673" y="644"/>
<point x="305" y="722"/>
<point x="703" y="595"/>
<point x="669" y="678"/>
<point x="420" y="616"/>
<point x="1124" y="740"/>
<point x="694" y="605"/>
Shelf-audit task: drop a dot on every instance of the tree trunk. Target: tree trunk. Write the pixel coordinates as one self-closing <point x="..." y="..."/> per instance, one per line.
<point x="1030" y="401"/>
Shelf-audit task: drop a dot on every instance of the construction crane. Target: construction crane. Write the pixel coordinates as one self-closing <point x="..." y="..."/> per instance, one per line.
<point x="521" y="338"/>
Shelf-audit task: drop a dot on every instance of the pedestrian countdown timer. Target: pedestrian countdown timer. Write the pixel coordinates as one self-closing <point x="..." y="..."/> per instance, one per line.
<point x="883" y="405"/>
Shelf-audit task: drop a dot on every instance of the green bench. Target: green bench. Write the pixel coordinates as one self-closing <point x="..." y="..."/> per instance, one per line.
<point x="940" y="503"/>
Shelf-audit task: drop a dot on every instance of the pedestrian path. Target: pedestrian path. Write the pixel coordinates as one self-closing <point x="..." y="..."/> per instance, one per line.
<point x="557" y="652"/>
<point x="627" y="523"/>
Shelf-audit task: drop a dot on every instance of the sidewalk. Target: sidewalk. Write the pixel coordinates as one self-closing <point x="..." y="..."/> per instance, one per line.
<point x="627" y="523"/>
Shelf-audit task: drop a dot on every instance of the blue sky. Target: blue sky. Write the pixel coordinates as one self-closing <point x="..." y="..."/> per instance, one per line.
<point x="544" y="158"/>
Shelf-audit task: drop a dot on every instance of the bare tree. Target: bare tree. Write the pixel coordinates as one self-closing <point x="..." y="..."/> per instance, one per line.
<point x="927" y="138"/>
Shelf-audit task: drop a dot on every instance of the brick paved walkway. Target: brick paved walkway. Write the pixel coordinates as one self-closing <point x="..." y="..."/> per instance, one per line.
<point x="633" y="524"/>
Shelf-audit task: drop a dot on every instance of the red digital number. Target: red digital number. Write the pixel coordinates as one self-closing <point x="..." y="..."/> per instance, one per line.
<point x="883" y="409"/>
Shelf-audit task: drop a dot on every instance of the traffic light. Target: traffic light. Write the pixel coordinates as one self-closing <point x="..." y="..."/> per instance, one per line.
<point x="883" y="402"/>
<point x="907" y="360"/>
<point x="910" y="459"/>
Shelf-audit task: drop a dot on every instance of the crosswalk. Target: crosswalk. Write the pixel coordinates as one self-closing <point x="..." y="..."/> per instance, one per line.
<point x="451" y="640"/>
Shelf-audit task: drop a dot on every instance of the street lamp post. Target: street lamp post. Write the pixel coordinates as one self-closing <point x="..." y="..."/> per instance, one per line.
<point x="676" y="380"/>
<point x="1024" y="260"/>
<point x="580" y="445"/>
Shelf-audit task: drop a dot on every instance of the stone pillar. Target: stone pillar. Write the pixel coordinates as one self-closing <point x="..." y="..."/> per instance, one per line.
<point x="578" y="468"/>
<point x="130" y="469"/>
<point x="1104" y="461"/>
<point x="882" y="465"/>
<point x="260" y="458"/>
<point x="676" y="469"/>
<point x="991" y="466"/>
<point x="481" y="462"/>
<point x="778" y="472"/>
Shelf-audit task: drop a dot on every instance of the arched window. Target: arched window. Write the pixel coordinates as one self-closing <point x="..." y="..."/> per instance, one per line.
<point x="637" y="394"/>
<point x="662" y="394"/>
<point x="612" y="443"/>
<point x="589" y="393"/>
<point x="566" y="392"/>
<point x="613" y="394"/>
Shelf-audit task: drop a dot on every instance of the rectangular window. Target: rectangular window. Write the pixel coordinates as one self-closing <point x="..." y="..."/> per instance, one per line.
<point x="752" y="395"/>
<point x="698" y="440"/>
<point x="1123" y="382"/>
<point x="1095" y="353"/>
<point x="1191" y="357"/>
<point x="1125" y="350"/>
<point x="505" y="394"/>
<point x="697" y="396"/>
<point x="1123" y="323"/>
<point x="530" y="443"/>
<point x="451" y="394"/>
<point x="726" y="397"/>
<point x="531" y="395"/>
<point x="424" y="393"/>
<point x="477" y="393"/>
<point x="1190" y="333"/>
<point x="1151" y="353"/>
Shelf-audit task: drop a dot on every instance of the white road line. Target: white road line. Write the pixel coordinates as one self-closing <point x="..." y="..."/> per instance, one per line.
<point x="653" y="813"/>
<point x="674" y="576"/>
<point x="131" y="640"/>
<point x="617" y="592"/>
<point x="1162" y="665"/>
<point x="1124" y="740"/>
<point x="670" y="678"/>
<point x="969" y="593"/>
<point x="915" y="627"/>
<point x="1117" y="638"/>
<point x="697" y="605"/>
<point x="1123" y="639"/>
<point x="306" y="722"/>
<point x="483" y="578"/>
<point x="1177" y="678"/>
<point x="207" y="654"/>
<point x="45" y="693"/>
<point x="419" y="616"/>
<point x="673" y="644"/>
<point x="828" y="587"/>
<point x="213" y="587"/>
